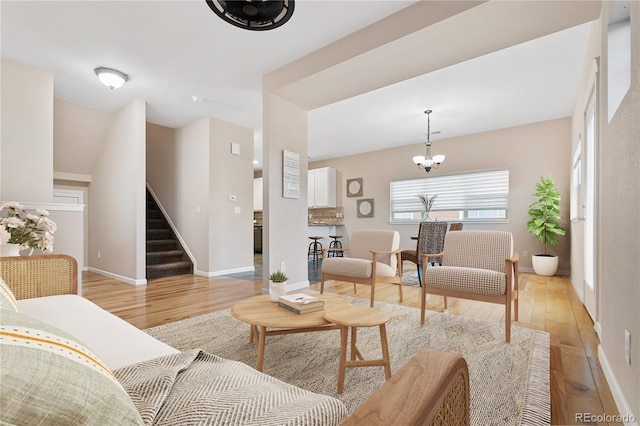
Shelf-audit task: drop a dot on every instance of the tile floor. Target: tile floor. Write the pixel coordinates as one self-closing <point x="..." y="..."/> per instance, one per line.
<point x="256" y="275"/>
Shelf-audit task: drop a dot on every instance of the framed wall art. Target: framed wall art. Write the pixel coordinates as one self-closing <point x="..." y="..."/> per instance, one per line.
<point x="354" y="187"/>
<point x="290" y="174"/>
<point x="365" y="207"/>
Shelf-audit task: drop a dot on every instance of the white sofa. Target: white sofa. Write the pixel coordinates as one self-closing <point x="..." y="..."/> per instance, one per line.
<point x="67" y="361"/>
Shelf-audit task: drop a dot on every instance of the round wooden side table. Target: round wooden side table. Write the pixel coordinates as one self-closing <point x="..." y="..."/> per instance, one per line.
<point x="350" y="316"/>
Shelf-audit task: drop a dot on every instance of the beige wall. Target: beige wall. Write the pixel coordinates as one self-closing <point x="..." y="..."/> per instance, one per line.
<point x="618" y="230"/>
<point x="193" y="173"/>
<point x="284" y="219"/>
<point x="231" y="231"/>
<point x="78" y="134"/>
<point x="190" y="192"/>
<point x="26" y="138"/>
<point x="117" y="192"/>
<point x="529" y="151"/>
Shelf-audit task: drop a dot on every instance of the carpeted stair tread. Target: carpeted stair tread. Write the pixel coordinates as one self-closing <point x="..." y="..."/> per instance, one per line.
<point x="165" y="255"/>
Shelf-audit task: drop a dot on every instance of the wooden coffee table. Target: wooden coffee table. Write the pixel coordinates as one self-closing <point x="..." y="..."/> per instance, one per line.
<point x="268" y="318"/>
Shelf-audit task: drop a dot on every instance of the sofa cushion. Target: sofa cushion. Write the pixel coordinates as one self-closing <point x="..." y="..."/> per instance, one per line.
<point x="470" y="280"/>
<point x="116" y="342"/>
<point x="356" y="268"/>
<point x="49" y="377"/>
<point x="7" y="299"/>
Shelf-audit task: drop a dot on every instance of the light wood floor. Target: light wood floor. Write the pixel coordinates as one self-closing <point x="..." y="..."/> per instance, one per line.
<point x="551" y="304"/>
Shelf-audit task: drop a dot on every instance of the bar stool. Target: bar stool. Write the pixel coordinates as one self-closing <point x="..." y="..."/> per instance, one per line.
<point x="350" y="316"/>
<point x="315" y="248"/>
<point x="335" y="244"/>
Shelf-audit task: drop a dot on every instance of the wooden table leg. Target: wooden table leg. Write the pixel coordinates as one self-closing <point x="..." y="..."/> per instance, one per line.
<point x="262" y="331"/>
<point x="252" y="333"/>
<point x="355" y="352"/>
<point x="344" y="332"/>
<point x="385" y="351"/>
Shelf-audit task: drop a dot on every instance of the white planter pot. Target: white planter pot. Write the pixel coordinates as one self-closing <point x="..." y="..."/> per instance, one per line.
<point x="545" y="266"/>
<point x="7" y="250"/>
<point x="276" y="290"/>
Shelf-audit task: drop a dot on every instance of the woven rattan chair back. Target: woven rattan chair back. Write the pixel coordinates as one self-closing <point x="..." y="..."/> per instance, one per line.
<point x="431" y="239"/>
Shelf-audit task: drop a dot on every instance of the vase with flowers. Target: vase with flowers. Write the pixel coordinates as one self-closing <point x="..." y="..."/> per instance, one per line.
<point x="21" y="229"/>
<point x="427" y="202"/>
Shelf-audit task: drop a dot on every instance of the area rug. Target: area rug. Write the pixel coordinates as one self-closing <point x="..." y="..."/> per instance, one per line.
<point x="509" y="383"/>
<point x="410" y="278"/>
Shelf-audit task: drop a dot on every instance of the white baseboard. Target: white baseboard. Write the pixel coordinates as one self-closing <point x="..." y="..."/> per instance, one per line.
<point x="560" y="272"/>
<point x="578" y="289"/>
<point x="627" y="416"/>
<point x="224" y="271"/>
<point x="118" y="277"/>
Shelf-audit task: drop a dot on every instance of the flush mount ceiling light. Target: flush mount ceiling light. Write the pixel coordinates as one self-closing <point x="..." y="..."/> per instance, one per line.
<point x="111" y="78"/>
<point x="255" y="15"/>
<point x="428" y="162"/>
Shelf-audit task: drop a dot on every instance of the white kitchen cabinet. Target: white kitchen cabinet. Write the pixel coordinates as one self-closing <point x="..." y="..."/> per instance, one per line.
<point x="321" y="187"/>
<point x="257" y="194"/>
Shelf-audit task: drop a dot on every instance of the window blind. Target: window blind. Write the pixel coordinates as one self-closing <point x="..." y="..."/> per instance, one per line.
<point x="483" y="190"/>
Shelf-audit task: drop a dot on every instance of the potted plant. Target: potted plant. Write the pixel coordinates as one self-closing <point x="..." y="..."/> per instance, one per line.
<point x="427" y="202"/>
<point x="544" y="223"/>
<point x="277" y="285"/>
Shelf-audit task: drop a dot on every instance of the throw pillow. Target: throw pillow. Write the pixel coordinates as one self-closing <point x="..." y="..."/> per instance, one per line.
<point x="7" y="299"/>
<point x="48" y="377"/>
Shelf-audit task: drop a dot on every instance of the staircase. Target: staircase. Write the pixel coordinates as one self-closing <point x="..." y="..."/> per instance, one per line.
<point x="165" y="256"/>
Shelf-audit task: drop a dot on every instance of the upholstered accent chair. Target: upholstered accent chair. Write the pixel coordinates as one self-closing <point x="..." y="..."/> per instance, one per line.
<point x="430" y="241"/>
<point x="476" y="265"/>
<point x="373" y="256"/>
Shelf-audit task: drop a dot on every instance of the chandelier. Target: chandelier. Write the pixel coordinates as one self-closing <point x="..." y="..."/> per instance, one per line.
<point x="428" y="162"/>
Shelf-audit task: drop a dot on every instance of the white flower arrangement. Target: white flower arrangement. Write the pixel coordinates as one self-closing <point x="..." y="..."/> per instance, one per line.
<point x="29" y="230"/>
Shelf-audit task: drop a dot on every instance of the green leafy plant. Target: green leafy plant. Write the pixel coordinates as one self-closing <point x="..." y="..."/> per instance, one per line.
<point x="544" y="214"/>
<point x="278" y="277"/>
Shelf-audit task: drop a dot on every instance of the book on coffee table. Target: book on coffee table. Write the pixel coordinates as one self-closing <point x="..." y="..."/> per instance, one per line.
<point x="302" y="311"/>
<point x="301" y="303"/>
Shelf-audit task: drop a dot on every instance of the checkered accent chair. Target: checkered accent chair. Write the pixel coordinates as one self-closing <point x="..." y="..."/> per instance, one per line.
<point x="373" y="256"/>
<point x="477" y="265"/>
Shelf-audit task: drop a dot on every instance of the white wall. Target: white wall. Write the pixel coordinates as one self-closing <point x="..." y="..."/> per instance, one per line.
<point x="117" y="198"/>
<point x="26" y="136"/>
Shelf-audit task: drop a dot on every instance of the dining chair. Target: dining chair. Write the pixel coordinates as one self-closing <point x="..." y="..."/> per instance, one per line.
<point x="430" y="241"/>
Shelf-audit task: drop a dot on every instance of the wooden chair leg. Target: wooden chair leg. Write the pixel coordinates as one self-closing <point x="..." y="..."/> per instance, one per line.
<point x="507" y="322"/>
<point x="322" y="284"/>
<point x="400" y="287"/>
<point x="422" y="305"/>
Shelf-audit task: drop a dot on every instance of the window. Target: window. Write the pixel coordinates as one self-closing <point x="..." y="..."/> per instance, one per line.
<point x="476" y="196"/>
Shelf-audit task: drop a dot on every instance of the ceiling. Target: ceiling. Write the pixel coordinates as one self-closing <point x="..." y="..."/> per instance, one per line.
<point x="174" y="50"/>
